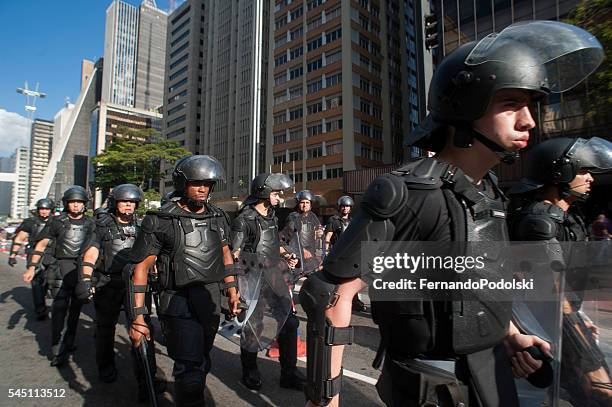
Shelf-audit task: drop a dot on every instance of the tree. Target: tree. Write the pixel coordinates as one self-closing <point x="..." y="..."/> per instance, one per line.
<point x="595" y="16"/>
<point x="135" y="159"/>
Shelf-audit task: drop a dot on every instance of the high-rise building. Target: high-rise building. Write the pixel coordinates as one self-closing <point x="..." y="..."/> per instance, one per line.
<point x="87" y="68"/>
<point x="339" y="88"/>
<point x="134" y="54"/>
<point x="150" y="57"/>
<point x="7" y="165"/>
<point x="41" y="144"/>
<point x="215" y="87"/>
<point x="19" y="204"/>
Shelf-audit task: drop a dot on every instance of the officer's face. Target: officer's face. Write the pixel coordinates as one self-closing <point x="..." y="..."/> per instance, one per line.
<point x="126" y="207"/>
<point x="345" y="209"/>
<point x="44" y="213"/>
<point x="582" y="182"/>
<point x="275" y="198"/>
<point x="508" y="120"/>
<point x="75" y="206"/>
<point x="198" y="190"/>
<point x="304" y="205"/>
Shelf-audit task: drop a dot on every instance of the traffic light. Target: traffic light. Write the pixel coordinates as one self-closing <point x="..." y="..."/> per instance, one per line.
<point x="431" y="31"/>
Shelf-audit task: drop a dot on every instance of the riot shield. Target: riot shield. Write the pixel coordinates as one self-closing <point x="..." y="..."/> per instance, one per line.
<point x="263" y="285"/>
<point x="306" y="242"/>
<point x="539" y="311"/>
<point x="587" y="325"/>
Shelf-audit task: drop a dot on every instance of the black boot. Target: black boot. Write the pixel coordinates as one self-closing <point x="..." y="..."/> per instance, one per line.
<point x="358" y="305"/>
<point x="294" y="380"/>
<point x="59" y="360"/>
<point x="250" y="374"/>
<point x="108" y="374"/>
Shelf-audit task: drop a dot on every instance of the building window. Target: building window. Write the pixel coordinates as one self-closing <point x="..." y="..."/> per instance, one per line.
<point x="333" y="79"/>
<point x="334" y="173"/>
<point x="296" y="73"/>
<point x="280" y="78"/>
<point x="295" y="92"/>
<point x="176" y="121"/>
<point x="332" y="57"/>
<point x="331" y="14"/>
<point x="314" y="130"/>
<point x="280" y="22"/>
<point x="365" y="106"/>
<point x="176" y="133"/>
<point x="314" y="152"/>
<point x="280" y="137"/>
<point x="314" y="44"/>
<point x="179" y="50"/>
<point x="295" y="133"/>
<point x="316" y="64"/>
<point x="377" y="133"/>
<point x="297" y="33"/>
<point x="377" y="111"/>
<point x="332" y="102"/>
<point x="295" y="155"/>
<point x="177" y="108"/>
<point x="315" y="107"/>
<point x="314" y="23"/>
<point x="333" y="36"/>
<point x="314" y="4"/>
<point x="297" y="177"/>
<point x="314" y="86"/>
<point x="377" y="155"/>
<point x="177" y="96"/>
<point x="179" y="38"/>
<point x="176" y="85"/>
<point x="296" y="113"/>
<point x="280" y="158"/>
<point x="366" y="130"/>
<point x="178" y="61"/>
<point x="280" y="97"/>
<point x="314" y="175"/>
<point x="333" y="125"/>
<point x="333" y="148"/>
<point x="296" y="52"/>
<point x="178" y="73"/>
<point x="280" y="60"/>
<point x="280" y="118"/>
<point x="298" y="12"/>
<point x="366" y="151"/>
<point x="364" y="42"/>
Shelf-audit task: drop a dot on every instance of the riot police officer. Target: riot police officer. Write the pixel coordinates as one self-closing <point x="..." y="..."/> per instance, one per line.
<point x="255" y="231"/>
<point x="28" y="232"/>
<point x="69" y="231"/>
<point x="557" y="177"/>
<point x="108" y="253"/>
<point x="334" y="228"/>
<point x="479" y="115"/>
<point x="302" y="232"/>
<point x="187" y="241"/>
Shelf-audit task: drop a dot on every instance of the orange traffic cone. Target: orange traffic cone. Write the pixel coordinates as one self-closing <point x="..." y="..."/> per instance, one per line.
<point x="273" y="351"/>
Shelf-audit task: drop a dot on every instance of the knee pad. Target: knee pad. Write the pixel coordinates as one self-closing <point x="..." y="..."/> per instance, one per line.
<point x="317" y="295"/>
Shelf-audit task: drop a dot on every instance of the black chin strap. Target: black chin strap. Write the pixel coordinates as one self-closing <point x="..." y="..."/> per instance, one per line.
<point x="565" y="191"/>
<point x="464" y="138"/>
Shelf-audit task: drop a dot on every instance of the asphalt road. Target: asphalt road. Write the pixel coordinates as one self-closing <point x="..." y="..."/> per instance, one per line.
<point x="25" y="346"/>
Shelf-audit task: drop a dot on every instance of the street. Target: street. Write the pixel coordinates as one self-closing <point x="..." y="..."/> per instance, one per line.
<point x="25" y="346"/>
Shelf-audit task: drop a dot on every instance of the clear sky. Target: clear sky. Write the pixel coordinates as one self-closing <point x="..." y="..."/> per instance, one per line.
<point x="45" y="41"/>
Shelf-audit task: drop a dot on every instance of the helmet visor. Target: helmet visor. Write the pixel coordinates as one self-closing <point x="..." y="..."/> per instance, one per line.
<point x="594" y="154"/>
<point x="278" y="182"/>
<point x="567" y="53"/>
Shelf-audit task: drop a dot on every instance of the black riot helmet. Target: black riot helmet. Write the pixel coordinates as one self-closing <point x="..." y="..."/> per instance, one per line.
<point x="345" y="201"/>
<point x="45" y="203"/>
<point x="537" y="56"/>
<point x="196" y="168"/>
<point x="124" y="192"/>
<point x="304" y="195"/>
<point x="266" y="183"/>
<point x="75" y="193"/>
<point x="557" y="161"/>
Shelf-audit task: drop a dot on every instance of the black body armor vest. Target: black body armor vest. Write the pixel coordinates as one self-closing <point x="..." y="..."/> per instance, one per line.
<point x="306" y="225"/>
<point x="70" y="242"/>
<point x="117" y="240"/>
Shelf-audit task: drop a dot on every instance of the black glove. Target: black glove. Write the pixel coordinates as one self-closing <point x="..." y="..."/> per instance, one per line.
<point x="12" y="261"/>
<point x="84" y="289"/>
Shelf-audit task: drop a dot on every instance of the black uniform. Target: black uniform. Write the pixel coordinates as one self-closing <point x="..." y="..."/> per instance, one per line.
<point x="429" y="200"/>
<point x="33" y="226"/>
<point x="305" y="224"/>
<point x="114" y="240"/>
<point x="70" y="236"/>
<point x="254" y="233"/>
<point x="580" y="354"/>
<point x="189" y="250"/>
<point x="336" y="225"/>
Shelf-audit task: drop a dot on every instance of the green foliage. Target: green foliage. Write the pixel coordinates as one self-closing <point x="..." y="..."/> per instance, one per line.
<point x="135" y="159"/>
<point x="150" y="195"/>
<point x="595" y="16"/>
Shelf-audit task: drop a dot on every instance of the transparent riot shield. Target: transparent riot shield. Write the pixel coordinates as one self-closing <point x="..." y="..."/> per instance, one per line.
<point x="305" y="241"/>
<point x="266" y="302"/>
<point x="587" y="325"/>
<point x="538" y="310"/>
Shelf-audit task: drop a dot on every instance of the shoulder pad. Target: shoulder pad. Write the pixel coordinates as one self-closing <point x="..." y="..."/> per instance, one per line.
<point x="546" y="209"/>
<point x="216" y="210"/>
<point x="424" y="173"/>
<point x="62" y="217"/>
<point x="104" y="220"/>
<point x="537" y="227"/>
<point x="385" y="196"/>
<point x="149" y="223"/>
<point x="247" y="213"/>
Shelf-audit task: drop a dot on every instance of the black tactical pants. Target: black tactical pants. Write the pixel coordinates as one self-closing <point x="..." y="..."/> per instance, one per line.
<point x="39" y="291"/>
<point x="66" y="309"/>
<point x="190" y="320"/>
<point x="108" y="302"/>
